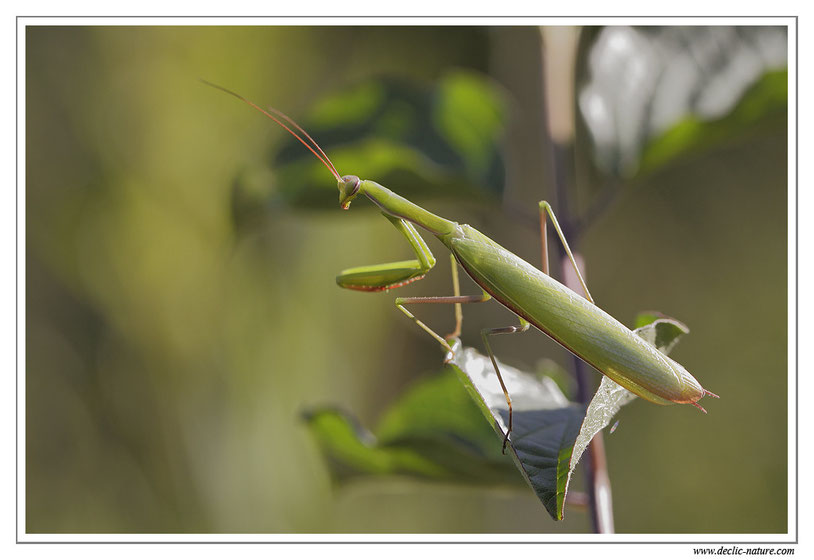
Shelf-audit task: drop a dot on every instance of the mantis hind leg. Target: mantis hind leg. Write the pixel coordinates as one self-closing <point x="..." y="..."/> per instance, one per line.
<point x="547" y="211"/>
<point x="485" y="334"/>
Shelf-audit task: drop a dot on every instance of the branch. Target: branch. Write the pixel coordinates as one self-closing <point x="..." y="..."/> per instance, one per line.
<point x="559" y="57"/>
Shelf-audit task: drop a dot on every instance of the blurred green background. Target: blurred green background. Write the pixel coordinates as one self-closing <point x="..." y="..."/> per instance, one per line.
<point x="171" y="348"/>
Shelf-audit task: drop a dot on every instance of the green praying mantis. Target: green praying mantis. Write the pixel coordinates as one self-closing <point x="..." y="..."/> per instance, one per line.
<point x="573" y="321"/>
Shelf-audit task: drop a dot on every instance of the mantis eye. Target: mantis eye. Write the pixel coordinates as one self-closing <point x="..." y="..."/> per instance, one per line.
<point x="348" y="188"/>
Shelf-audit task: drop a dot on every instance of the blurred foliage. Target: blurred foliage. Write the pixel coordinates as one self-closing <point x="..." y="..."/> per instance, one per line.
<point x="765" y="100"/>
<point x="441" y="141"/>
<point x="170" y="347"/>
<point x="433" y="431"/>
<point x="653" y="94"/>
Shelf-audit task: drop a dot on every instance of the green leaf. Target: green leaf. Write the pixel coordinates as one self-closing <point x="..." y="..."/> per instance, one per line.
<point x="545" y="424"/>
<point x="645" y="318"/>
<point x="469" y="115"/>
<point x="351" y="106"/>
<point x="659" y="330"/>
<point x="422" y="141"/>
<point x="434" y="432"/>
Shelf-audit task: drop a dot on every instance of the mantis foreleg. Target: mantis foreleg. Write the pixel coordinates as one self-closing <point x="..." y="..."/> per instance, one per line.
<point x="383" y="277"/>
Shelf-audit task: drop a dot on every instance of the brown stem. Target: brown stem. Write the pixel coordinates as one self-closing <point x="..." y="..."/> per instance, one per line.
<point x="595" y="465"/>
<point x="559" y="60"/>
<point x="602" y="508"/>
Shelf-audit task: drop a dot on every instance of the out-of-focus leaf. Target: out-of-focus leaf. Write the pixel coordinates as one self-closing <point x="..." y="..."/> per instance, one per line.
<point x="546" y="367"/>
<point x="439" y="141"/>
<point x="765" y="99"/>
<point x="434" y="432"/>
<point x="469" y="116"/>
<point x="654" y="94"/>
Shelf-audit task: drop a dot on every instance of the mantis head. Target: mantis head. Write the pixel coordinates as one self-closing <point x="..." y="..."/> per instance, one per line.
<point x="348" y="189"/>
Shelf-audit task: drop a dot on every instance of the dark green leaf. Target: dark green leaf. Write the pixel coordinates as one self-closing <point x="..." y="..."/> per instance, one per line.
<point x="434" y="432"/>
<point x="545" y="424"/>
<point x="469" y="116"/>
<point x="421" y="142"/>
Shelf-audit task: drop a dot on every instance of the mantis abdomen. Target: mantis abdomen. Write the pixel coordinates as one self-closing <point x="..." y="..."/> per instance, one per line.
<point x="574" y="322"/>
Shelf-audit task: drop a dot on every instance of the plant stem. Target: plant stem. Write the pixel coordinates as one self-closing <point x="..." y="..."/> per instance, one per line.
<point x="559" y="57"/>
<point x="594" y="462"/>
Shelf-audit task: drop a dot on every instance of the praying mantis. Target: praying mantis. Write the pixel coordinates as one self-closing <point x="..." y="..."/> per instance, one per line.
<point x="573" y="321"/>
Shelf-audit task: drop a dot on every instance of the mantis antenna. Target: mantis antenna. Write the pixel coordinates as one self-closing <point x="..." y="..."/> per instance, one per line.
<point x="321" y="155"/>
